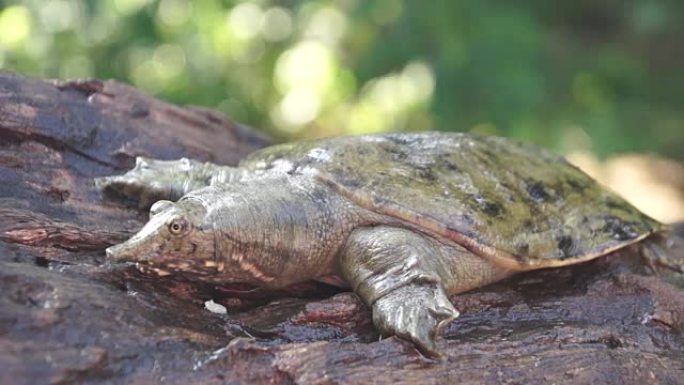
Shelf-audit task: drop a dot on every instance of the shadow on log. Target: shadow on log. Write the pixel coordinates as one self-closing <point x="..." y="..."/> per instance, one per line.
<point x="66" y="316"/>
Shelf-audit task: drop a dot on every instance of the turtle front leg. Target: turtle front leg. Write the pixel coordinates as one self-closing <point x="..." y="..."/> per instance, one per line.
<point x="152" y="180"/>
<point x="392" y="270"/>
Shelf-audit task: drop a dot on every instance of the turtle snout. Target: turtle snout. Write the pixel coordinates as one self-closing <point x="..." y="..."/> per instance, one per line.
<point x="118" y="253"/>
<point x="112" y="252"/>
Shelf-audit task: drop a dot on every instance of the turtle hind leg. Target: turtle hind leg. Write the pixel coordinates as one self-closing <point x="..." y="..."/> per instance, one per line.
<point x="394" y="271"/>
<point x="660" y="256"/>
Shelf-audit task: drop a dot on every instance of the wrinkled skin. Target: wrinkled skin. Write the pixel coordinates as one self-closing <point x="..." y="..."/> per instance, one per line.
<point x="175" y="238"/>
<point x="404" y="220"/>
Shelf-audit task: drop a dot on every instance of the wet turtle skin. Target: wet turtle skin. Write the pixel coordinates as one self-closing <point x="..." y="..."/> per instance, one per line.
<point x="402" y="219"/>
<point x="524" y="202"/>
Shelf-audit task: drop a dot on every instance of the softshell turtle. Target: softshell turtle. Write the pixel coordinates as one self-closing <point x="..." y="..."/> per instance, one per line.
<point x="404" y="220"/>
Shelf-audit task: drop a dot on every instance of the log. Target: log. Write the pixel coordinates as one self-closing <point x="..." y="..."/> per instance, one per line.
<point x="69" y="316"/>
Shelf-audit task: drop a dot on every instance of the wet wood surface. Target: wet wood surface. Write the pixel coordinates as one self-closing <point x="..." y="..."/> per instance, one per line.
<point x="67" y="316"/>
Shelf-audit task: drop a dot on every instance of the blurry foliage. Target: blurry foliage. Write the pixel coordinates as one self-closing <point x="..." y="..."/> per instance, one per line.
<point x="603" y="76"/>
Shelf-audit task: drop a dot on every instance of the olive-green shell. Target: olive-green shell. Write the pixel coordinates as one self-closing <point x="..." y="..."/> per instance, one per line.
<point x="499" y="198"/>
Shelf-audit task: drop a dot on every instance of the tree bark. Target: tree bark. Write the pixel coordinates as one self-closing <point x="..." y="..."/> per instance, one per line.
<point x="68" y="316"/>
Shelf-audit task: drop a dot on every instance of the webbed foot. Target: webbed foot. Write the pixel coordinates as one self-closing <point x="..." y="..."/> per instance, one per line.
<point x="151" y="180"/>
<point x="415" y="312"/>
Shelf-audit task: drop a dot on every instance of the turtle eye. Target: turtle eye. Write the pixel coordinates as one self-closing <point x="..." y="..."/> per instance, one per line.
<point x="178" y="226"/>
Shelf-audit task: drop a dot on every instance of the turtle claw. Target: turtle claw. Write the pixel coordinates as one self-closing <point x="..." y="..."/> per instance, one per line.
<point x="416" y="312"/>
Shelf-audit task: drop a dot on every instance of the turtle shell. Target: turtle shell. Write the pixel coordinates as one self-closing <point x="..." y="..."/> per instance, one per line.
<point x="502" y="199"/>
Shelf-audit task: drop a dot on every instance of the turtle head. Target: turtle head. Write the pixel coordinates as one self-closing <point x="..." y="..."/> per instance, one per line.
<point x="175" y="239"/>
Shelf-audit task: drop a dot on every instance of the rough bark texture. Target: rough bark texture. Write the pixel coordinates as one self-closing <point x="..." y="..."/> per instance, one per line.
<point x="66" y="316"/>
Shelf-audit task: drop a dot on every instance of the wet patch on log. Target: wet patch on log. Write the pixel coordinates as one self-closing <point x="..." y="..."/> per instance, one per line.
<point x="67" y="316"/>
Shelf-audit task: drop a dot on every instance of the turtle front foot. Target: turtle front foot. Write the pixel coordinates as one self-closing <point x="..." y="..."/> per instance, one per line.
<point x="415" y="312"/>
<point x="151" y="180"/>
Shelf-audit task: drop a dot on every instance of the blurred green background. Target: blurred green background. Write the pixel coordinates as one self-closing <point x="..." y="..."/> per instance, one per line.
<point x="598" y="76"/>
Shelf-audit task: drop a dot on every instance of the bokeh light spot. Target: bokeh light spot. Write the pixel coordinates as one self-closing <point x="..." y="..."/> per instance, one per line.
<point x="421" y="77"/>
<point x="398" y="92"/>
<point x="59" y="15"/>
<point x="364" y="117"/>
<point x="299" y="107"/>
<point x="37" y="45"/>
<point x="309" y="64"/>
<point x="327" y="25"/>
<point x="276" y="24"/>
<point x="145" y="76"/>
<point x="15" y="26"/>
<point x="169" y="60"/>
<point x="174" y="12"/>
<point x="245" y="20"/>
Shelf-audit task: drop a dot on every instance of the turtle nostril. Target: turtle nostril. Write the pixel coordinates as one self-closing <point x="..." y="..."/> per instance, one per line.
<point x="109" y="252"/>
<point x="115" y="253"/>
